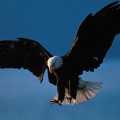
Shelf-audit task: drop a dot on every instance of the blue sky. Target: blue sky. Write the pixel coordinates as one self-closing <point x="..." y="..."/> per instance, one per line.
<point x="54" y="24"/>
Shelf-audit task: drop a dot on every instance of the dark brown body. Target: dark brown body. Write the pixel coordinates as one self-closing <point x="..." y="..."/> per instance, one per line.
<point x="65" y="82"/>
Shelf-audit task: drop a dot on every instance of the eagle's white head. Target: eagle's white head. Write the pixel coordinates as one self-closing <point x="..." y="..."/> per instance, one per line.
<point x="54" y="63"/>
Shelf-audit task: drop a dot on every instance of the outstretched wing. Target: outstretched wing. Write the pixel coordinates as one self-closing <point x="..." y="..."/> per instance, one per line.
<point x="94" y="38"/>
<point x="24" y="53"/>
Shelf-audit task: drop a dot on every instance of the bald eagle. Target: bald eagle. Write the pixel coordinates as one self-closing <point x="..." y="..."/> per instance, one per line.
<point x="94" y="37"/>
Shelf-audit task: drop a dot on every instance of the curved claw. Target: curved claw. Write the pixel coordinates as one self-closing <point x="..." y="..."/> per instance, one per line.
<point x="69" y="98"/>
<point x="55" y="101"/>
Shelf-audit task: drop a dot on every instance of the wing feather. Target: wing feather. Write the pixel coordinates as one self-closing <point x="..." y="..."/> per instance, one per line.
<point x="24" y="53"/>
<point x="94" y="38"/>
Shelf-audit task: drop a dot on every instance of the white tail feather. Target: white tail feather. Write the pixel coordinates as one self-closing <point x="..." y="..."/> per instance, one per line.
<point x="86" y="90"/>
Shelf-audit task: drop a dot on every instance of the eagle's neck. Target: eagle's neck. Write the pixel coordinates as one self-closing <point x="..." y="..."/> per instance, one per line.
<point x="54" y="62"/>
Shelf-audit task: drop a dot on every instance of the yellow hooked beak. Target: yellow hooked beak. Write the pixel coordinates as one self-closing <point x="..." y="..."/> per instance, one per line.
<point x="51" y="69"/>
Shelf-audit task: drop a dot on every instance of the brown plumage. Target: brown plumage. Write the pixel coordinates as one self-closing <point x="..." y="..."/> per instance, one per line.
<point x="94" y="38"/>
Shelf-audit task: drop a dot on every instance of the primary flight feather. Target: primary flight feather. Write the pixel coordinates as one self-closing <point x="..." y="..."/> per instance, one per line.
<point x="94" y="38"/>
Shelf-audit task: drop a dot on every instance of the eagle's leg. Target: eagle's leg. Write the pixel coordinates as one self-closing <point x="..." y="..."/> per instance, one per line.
<point x="60" y="90"/>
<point x="69" y="92"/>
<point x="72" y="88"/>
<point x="61" y="93"/>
